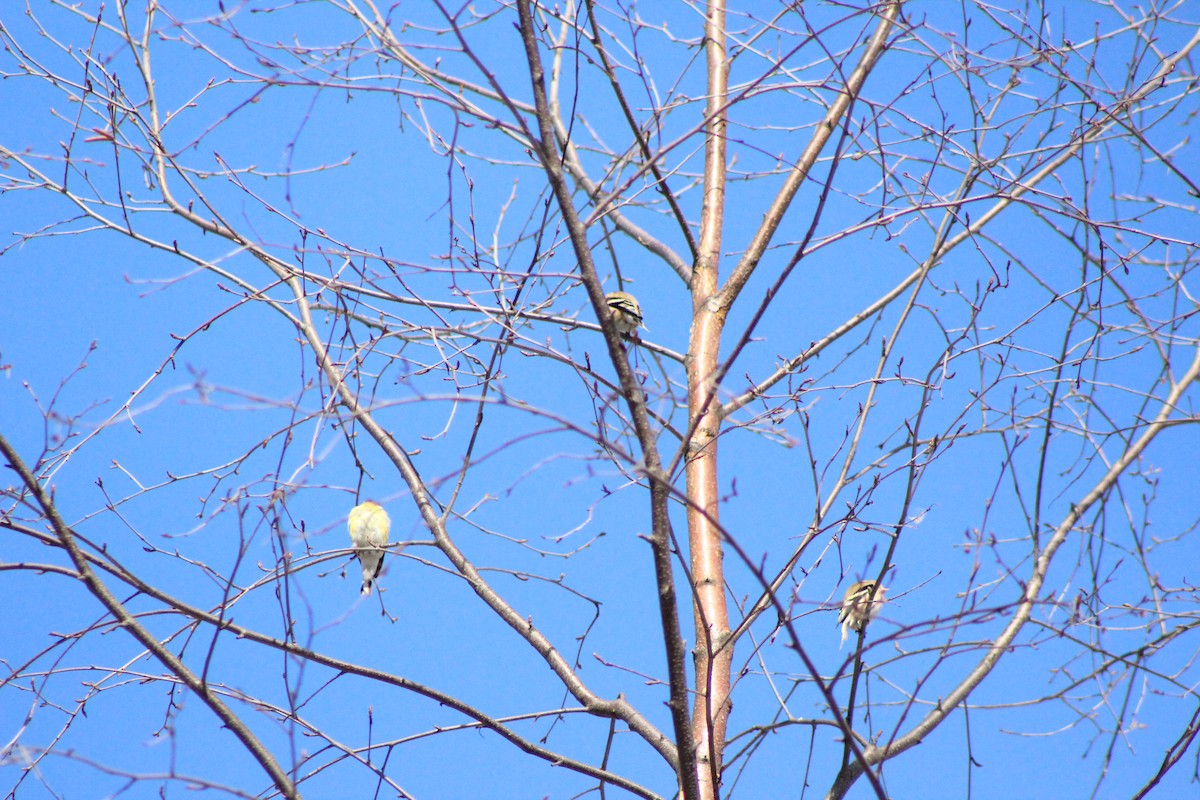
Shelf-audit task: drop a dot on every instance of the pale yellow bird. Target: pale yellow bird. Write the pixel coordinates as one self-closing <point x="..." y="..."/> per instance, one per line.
<point x="858" y="607"/>
<point x="626" y="311"/>
<point x="369" y="526"/>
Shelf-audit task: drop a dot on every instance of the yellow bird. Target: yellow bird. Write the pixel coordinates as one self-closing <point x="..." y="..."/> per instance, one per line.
<point x="858" y="607"/>
<point x="369" y="526"/>
<point x="626" y="311"/>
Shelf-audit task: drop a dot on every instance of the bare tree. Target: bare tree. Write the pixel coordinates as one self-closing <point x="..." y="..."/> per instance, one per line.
<point x="918" y="285"/>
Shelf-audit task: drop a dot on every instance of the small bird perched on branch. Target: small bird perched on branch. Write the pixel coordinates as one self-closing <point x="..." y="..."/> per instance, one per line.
<point x="369" y="526"/>
<point x="626" y="311"/>
<point x="858" y="607"/>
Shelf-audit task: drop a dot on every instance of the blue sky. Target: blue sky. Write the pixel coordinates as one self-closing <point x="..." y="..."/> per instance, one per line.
<point x="228" y="407"/>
